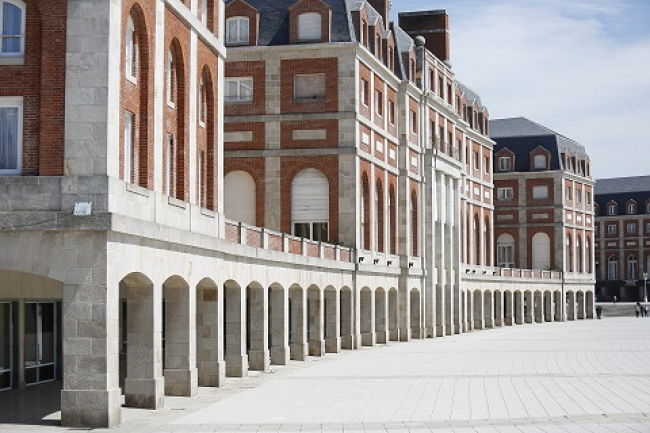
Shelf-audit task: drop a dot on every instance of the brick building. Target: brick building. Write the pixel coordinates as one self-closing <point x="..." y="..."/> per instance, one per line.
<point x="622" y="209"/>
<point x="328" y="186"/>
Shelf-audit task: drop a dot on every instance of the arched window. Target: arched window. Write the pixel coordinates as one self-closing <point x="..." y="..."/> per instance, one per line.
<point x="506" y="251"/>
<point x="569" y="254"/>
<point x="414" y="224"/>
<point x="632" y="267"/>
<point x="240" y="197"/>
<point x="379" y="212"/>
<point x="171" y="79"/>
<point x="612" y="268"/>
<point x="578" y="255"/>
<point x="365" y="213"/>
<point x="206" y="141"/>
<point x="541" y="251"/>
<point x="12" y="28"/>
<point x="310" y="205"/>
<point x="237" y="30"/>
<point x="203" y="107"/>
<point x="392" y="215"/>
<point x="309" y="27"/>
<point x="131" y="50"/>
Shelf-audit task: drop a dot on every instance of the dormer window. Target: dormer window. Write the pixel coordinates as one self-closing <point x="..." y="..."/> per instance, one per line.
<point x="12" y="28"/>
<point x="505" y="164"/>
<point x="539" y="162"/>
<point x="631" y="209"/>
<point x="237" y="30"/>
<point x="611" y="209"/>
<point x="309" y="27"/>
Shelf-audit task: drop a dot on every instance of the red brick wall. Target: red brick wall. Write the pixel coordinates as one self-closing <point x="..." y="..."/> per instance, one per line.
<point x="258" y="141"/>
<point x="330" y="126"/>
<point x="41" y="83"/>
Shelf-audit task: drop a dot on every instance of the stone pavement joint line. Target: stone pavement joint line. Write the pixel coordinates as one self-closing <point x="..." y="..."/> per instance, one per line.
<point x="586" y="376"/>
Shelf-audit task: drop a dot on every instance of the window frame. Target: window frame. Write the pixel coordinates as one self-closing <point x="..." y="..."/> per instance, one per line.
<point x="131" y="52"/>
<point x="612" y="229"/>
<point x="379" y="103"/>
<point x="170" y="72"/>
<point x="320" y="29"/>
<point x="23" y="8"/>
<point x="15" y="102"/>
<point x="543" y="162"/>
<point x="631" y="209"/>
<point x="203" y="103"/>
<point x="505" y="193"/>
<point x="538" y="187"/>
<point x="611" y="210"/>
<point x="240" y="81"/>
<point x="239" y="40"/>
<point x="129" y="146"/>
<point x="630" y="228"/>
<point x="505" y="163"/>
<point x="314" y="99"/>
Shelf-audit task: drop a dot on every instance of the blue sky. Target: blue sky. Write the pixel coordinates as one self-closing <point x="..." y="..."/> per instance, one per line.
<point x="579" y="67"/>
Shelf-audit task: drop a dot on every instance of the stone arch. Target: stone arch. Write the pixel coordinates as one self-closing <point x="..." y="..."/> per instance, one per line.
<point x="209" y="334"/>
<point x="367" y="316"/>
<point x="257" y="327"/>
<point x="315" y="321"/>
<point x="310" y="205"/>
<point x="179" y="345"/>
<point x="381" y="316"/>
<point x="347" y="318"/>
<point x="278" y="324"/>
<point x="176" y="96"/>
<point x="332" y="320"/>
<point x="141" y="333"/>
<point x="393" y="314"/>
<point x="298" y="323"/>
<point x="235" y="353"/>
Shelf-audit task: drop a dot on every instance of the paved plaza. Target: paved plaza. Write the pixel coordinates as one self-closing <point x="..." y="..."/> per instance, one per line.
<point x="585" y="376"/>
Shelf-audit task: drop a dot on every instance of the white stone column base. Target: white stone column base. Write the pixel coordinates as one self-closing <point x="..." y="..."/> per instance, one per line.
<point x="299" y="351"/>
<point x="259" y="360"/>
<point x="347" y="342"/>
<point x="236" y="365"/>
<point x="368" y="339"/>
<point x="393" y="335"/>
<point x="181" y="382"/>
<point x="144" y="393"/>
<point x="333" y="345"/>
<point x="317" y="347"/>
<point x="212" y="373"/>
<point x="94" y="409"/>
<point x="280" y="355"/>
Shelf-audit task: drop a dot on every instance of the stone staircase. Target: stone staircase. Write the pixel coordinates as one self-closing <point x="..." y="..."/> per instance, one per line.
<point x="620" y="309"/>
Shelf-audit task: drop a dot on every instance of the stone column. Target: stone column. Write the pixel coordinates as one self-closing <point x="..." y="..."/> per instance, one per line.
<point x="488" y="310"/>
<point x="144" y="384"/>
<point x="580" y="305"/>
<point x="478" y="310"/>
<point x="279" y="326"/>
<point x="209" y="340"/>
<point x="404" y="314"/>
<point x="298" y="325"/>
<point x="571" y="306"/>
<point x="332" y="321"/>
<point x="258" y="328"/>
<point x="315" y="312"/>
<point x="470" y="311"/>
<point x="519" y="307"/>
<point x="508" y="310"/>
<point x="347" y="319"/>
<point x="548" y="307"/>
<point x="529" y="308"/>
<point x="367" y="318"/>
<point x="393" y="315"/>
<point x="235" y="331"/>
<point x="181" y="376"/>
<point x="498" y="307"/>
<point x="539" y="307"/>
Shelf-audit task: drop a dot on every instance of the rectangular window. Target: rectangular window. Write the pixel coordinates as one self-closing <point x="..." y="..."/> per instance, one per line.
<point x="365" y="92"/>
<point x="379" y="103"/>
<point x="540" y="192"/>
<point x="11" y="140"/>
<point x="612" y="270"/>
<point x="391" y="112"/>
<point x="631" y="228"/>
<point x="567" y="193"/>
<point x="129" y="148"/>
<point x="309" y="87"/>
<point x="647" y="228"/>
<point x="504" y="194"/>
<point x="237" y="30"/>
<point x="611" y="229"/>
<point x="578" y="196"/>
<point x="630" y="209"/>
<point x="588" y="198"/>
<point x="239" y="90"/>
<point x="486" y="165"/>
<point x="414" y="122"/>
<point x="611" y="210"/>
<point x="476" y="161"/>
<point x="505" y="256"/>
<point x="12" y="27"/>
<point x="505" y="163"/>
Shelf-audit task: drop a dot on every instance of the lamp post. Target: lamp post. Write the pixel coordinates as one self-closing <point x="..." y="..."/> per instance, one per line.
<point x="645" y="289"/>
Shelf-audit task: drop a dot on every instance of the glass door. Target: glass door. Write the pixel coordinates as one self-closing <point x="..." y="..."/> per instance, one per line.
<point x="40" y="342"/>
<point x="6" y="355"/>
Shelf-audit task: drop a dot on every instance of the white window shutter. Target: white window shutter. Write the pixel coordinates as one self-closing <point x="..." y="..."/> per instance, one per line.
<point x="309" y="197"/>
<point x="309" y="27"/>
<point x="239" y="199"/>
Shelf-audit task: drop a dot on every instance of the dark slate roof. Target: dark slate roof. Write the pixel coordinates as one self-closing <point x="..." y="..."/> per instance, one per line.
<point x="621" y="190"/>
<point x="274" y="21"/>
<point x="521" y="136"/>
<point x="470" y="95"/>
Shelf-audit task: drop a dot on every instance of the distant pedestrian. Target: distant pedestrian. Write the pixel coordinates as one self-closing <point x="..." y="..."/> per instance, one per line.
<point x="614" y="299"/>
<point x="637" y="309"/>
<point x="645" y="311"/>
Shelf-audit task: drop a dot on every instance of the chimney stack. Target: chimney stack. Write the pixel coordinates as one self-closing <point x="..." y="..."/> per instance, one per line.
<point x="433" y="26"/>
<point x="383" y="8"/>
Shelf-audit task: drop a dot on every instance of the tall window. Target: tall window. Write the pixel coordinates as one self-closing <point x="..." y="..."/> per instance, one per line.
<point x="309" y="27"/>
<point x="588" y="256"/>
<point x="11" y="141"/>
<point x="612" y="268"/>
<point x="414" y="224"/>
<point x="505" y="251"/>
<point x="171" y="79"/>
<point x="201" y="178"/>
<point x="12" y="26"/>
<point x="237" y="30"/>
<point x="611" y="209"/>
<point x="310" y="205"/>
<point x="541" y="251"/>
<point x="379" y="103"/>
<point x="239" y="89"/>
<point x="309" y="87"/>
<point x="578" y="255"/>
<point x="631" y="209"/>
<point x="365" y="92"/>
<point x="240" y="197"/>
<point x="379" y="212"/>
<point x="203" y="103"/>
<point x="569" y="254"/>
<point x="170" y="177"/>
<point x="392" y="215"/>
<point x="129" y="147"/>
<point x="631" y="267"/>
<point x="204" y="11"/>
<point x="131" y="51"/>
<point x="365" y="213"/>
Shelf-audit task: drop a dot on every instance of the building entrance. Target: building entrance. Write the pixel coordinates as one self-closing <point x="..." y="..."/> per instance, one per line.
<point x="40" y="342"/>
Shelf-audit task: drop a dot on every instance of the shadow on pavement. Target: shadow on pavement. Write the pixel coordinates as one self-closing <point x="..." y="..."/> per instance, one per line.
<point x="36" y="405"/>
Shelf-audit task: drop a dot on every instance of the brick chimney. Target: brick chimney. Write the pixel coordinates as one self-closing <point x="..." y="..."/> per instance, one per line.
<point x="383" y="8"/>
<point x="433" y="26"/>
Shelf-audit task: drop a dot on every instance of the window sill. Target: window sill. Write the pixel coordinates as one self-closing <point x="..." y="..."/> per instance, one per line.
<point x="171" y="105"/>
<point x="309" y="100"/>
<point x="137" y="189"/>
<point x="131" y="79"/>
<point x="239" y="102"/>
<point x="202" y="124"/>
<point x="12" y="61"/>
<point x="176" y="203"/>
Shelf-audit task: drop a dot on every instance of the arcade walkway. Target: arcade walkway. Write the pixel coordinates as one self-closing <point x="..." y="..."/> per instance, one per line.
<point x="584" y="376"/>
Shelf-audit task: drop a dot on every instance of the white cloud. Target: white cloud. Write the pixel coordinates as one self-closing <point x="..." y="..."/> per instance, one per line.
<point x="557" y="63"/>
